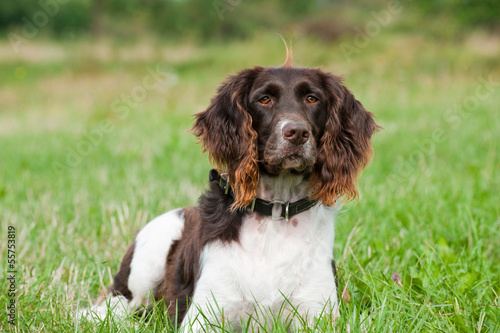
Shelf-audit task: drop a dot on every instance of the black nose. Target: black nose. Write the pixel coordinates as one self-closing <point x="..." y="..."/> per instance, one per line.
<point x="296" y="133"/>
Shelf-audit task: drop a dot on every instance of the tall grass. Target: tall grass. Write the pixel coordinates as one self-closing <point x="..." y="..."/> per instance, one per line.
<point x="79" y="174"/>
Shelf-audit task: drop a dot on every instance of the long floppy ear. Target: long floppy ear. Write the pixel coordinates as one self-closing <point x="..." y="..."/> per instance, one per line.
<point x="345" y="147"/>
<point x="225" y="130"/>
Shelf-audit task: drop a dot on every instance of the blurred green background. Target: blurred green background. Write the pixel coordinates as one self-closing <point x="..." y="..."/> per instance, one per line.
<point x="205" y="21"/>
<point x="96" y="98"/>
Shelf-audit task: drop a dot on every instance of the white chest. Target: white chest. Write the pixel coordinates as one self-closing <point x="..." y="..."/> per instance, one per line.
<point x="273" y="260"/>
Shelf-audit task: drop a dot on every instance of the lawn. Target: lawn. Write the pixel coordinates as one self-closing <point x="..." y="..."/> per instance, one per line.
<point x="94" y="144"/>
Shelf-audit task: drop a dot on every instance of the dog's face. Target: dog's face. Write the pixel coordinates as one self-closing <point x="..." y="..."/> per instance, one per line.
<point x="289" y="109"/>
<point x="287" y="119"/>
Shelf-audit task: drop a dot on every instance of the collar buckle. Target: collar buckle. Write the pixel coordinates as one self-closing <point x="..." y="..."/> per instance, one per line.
<point x="224" y="182"/>
<point x="282" y="203"/>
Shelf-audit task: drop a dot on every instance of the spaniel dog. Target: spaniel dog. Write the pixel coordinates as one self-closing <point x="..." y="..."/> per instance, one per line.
<point x="287" y="144"/>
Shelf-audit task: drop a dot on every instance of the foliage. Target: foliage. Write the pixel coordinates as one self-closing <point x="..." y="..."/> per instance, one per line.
<point x="468" y="13"/>
<point x="173" y="19"/>
<point x="213" y="19"/>
<point x="58" y="17"/>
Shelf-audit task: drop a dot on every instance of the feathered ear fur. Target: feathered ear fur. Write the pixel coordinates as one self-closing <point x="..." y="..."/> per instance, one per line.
<point x="345" y="148"/>
<point x="225" y="130"/>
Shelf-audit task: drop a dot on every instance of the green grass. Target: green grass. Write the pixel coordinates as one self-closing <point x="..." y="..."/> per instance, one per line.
<point x="429" y="207"/>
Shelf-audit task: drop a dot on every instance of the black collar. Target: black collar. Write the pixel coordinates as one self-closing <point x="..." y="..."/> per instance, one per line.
<point x="264" y="207"/>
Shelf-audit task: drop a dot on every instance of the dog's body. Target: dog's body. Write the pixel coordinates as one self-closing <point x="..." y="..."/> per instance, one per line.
<point x="282" y="135"/>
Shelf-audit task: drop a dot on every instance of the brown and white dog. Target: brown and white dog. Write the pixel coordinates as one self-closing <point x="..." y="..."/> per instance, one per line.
<point x="287" y="143"/>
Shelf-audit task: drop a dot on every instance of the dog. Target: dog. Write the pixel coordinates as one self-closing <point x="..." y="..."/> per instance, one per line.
<point x="287" y="145"/>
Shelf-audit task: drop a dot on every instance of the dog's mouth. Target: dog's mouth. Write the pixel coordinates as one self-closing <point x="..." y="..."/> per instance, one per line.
<point x="294" y="160"/>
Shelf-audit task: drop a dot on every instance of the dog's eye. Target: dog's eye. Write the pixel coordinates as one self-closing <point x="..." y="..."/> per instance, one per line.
<point x="265" y="100"/>
<point x="311" y="99"/>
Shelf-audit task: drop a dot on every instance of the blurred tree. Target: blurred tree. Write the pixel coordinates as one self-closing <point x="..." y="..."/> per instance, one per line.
<point x="97" y="17"/>
<point x="49" y="16"/>
<point x="208" y="19"/>
<point x="11" y="12"/>
<point x="468" y="13"/>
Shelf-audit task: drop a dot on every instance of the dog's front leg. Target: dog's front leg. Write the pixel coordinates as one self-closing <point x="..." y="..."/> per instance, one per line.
<point x="201" y="316"/>
<point x="316" y="299"/>
<point x="308" y="313"/>
<point x="193" y="321"/>
<point x="214" y="308"/>
<point x="207" y="317"/>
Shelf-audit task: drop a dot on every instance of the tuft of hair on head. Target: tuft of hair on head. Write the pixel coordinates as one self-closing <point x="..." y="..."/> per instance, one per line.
<point x="289" y="58"/>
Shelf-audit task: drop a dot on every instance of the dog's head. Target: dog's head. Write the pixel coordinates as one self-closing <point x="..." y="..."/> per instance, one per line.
<point x="287" y="119"/>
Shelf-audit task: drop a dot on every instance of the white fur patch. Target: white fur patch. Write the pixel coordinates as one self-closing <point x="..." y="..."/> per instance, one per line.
<point x="115" y="306"/>
<point x="152" y="243"/>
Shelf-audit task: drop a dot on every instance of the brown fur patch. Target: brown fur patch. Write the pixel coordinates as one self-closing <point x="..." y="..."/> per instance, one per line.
<point x="345" y="148"/>
<point x="226" y="132"/>
<point x="120" y="281"/>
<point x="182" y="268"/>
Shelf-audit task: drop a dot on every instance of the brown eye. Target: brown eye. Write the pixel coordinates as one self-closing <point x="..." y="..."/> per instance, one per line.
<point x="311" y="99"/>
<point x="264" y="100"/>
